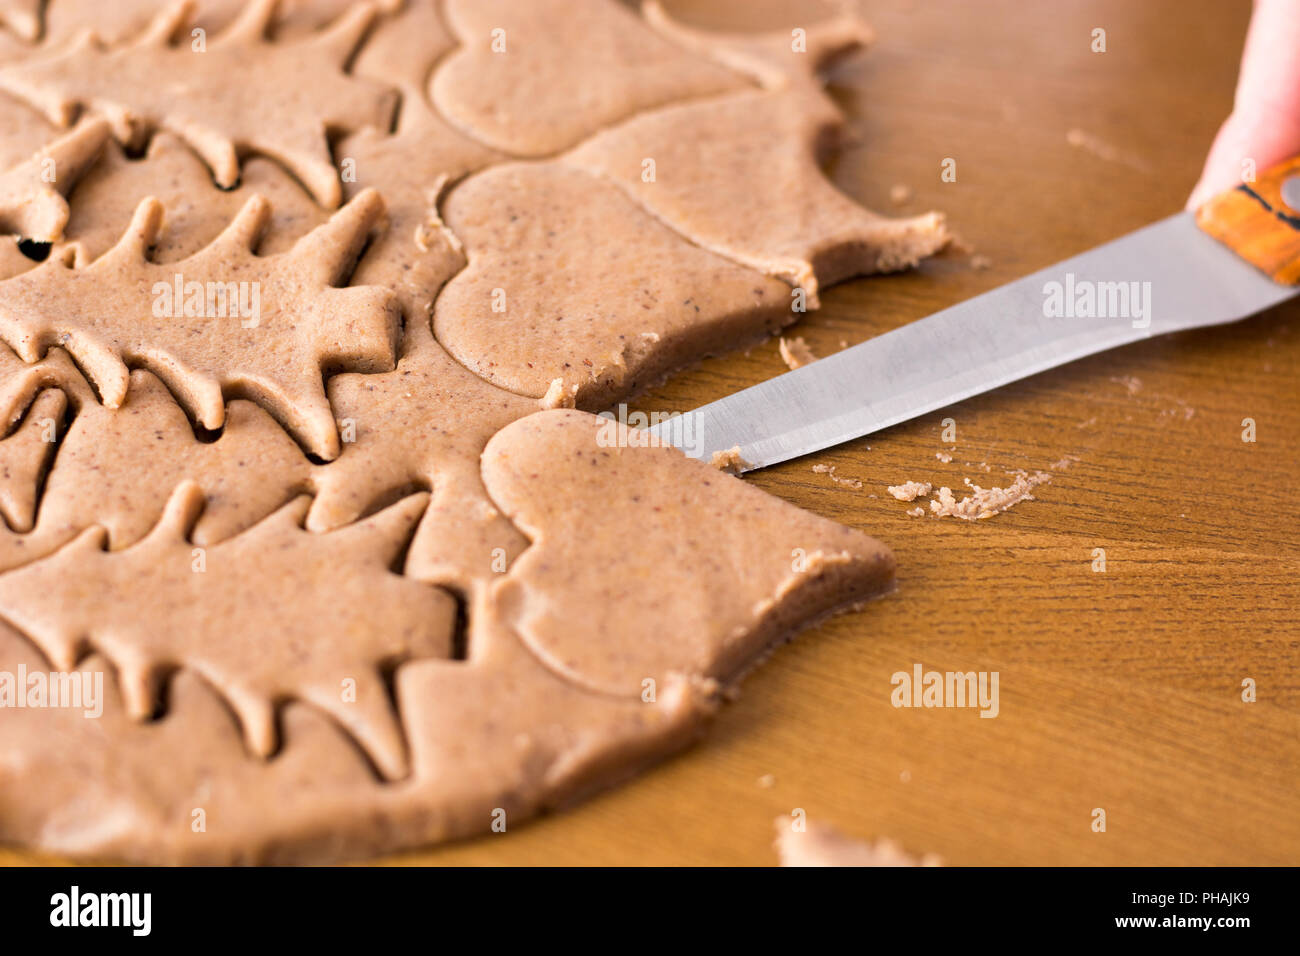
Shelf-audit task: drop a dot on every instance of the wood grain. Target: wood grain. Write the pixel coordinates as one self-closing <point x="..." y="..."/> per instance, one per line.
<point x="1119" y="690"/>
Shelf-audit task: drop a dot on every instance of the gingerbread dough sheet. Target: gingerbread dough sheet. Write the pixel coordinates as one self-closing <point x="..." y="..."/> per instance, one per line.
<point x="310" y="546"/>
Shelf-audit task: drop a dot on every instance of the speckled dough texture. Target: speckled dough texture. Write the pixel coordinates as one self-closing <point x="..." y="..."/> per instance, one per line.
<point x="311" y="547"/>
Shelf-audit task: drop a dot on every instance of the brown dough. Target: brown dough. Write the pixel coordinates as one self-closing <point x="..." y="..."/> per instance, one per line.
<point x="103" y="315"/>
<point x="525" y="739"/>
<point x="676" y="567"/>
<point x="461" y="609"/>
<point x="196" y="211"/>
<point x="117" y="466"/>
<point x="526" y="742"/>
<point x="568" y="279"/>
<point x="352" y="616"/>
<point x="12" y="259"/>
<point x="32" y="203"/>
<point x="561" y="76"/>
<point x="177" y="789"/>
<point x="820" y="844"/>
<point x="120" y="21"/>
<point x="25" y="455"/>
<point x="423" y="425"/>
<point x="240" y="94"/>
<point x="412" y="166"/>
<point x="712" y="157"/>
<point x="23" y="17"/>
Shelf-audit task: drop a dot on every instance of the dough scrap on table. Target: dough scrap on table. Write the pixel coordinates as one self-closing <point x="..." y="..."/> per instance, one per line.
<point x="795" y="352"/>
<point x="829" y="472"/>
<point x="986" y="502"/>
<point x="910" y="490"/>
<point x="729" y="461"/>
<point x="820" y="844"/>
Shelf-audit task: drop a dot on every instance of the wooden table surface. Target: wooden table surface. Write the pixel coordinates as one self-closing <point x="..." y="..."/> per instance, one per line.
<point x="1119" y="690"/>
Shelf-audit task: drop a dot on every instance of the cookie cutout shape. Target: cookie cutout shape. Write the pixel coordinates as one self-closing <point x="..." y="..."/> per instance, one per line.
<point x="500" y="729"/>
<point x="423" y="425"/>
<point x="117" y="467"/>
<point x="220" y="319"/>
<point x="525" y="85"/>
<point x="712" y="157"/>
<point x="238" y="94"/>
<point x="25" y="454"/>
<point x="412" y="166"/>
<point x="340" y="615"/>
<point x="122" y="20"/>
<point x="527" y="741"/>
<point x="569" y="279"/>
<point x="196" y="211"/>
<point x="117" y="788"/>
<point x="673" y="567"/>
<point x="32" y="203"/>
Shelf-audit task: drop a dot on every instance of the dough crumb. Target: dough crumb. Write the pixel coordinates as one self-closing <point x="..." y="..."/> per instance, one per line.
<point x="980" y="263"/>
<point x="729" y="461"/>
<point x="829" y="470"/>
<point x="795" y="352"/>
<point x="986" y="502"/>
<point x="822" y="845"/>
<point x="943" y="456"/>
<point x="557" y="396"/>
<point x="1081" y="139"/>
<point x="917" y="512"/>
<point x="910" y="490"/>
<point x="959" y="245"/>
<point x="1130" y="382"/>
<point x="900" y="194"/>
<point x="1064" y="463"/>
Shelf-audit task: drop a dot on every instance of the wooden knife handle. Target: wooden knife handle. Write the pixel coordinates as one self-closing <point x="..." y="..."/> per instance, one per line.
<point x="1260" y="221"/>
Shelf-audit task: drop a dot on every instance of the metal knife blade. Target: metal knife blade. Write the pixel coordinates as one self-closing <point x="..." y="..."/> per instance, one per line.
<point x="1163" y="278"/>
